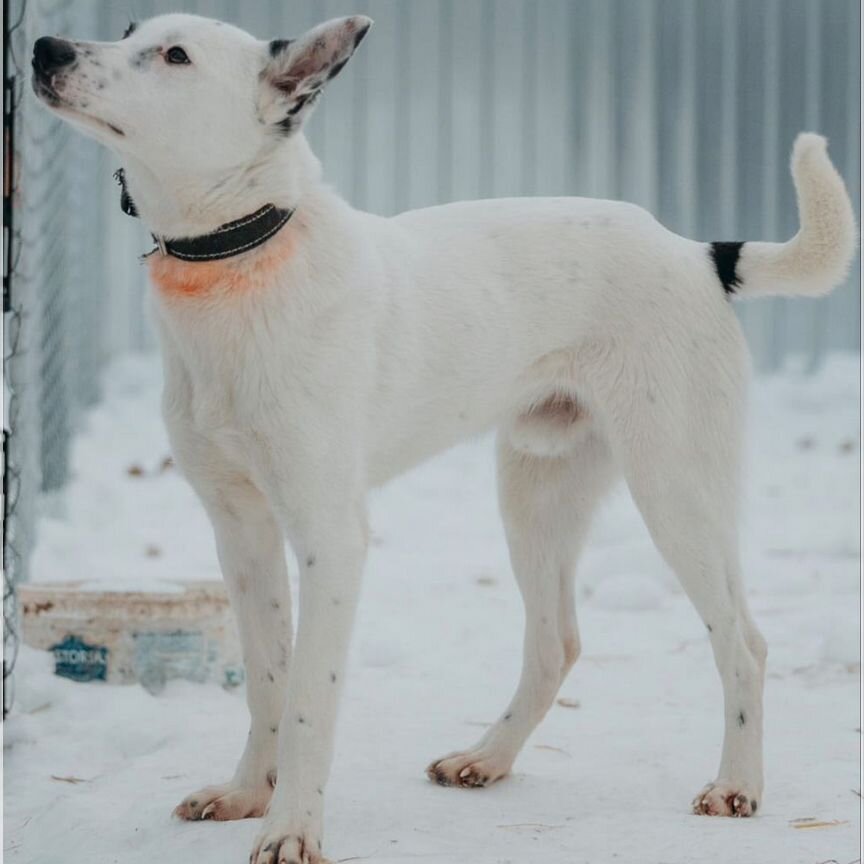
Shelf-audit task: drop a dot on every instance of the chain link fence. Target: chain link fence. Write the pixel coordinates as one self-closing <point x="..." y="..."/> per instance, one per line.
<point x="52" y="285"/>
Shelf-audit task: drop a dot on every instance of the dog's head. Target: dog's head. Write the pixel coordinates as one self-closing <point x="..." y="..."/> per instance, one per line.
<point x="194" y="104"/>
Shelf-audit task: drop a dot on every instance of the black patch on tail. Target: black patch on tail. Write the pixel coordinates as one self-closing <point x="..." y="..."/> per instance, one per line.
<point x="725" y="257"/>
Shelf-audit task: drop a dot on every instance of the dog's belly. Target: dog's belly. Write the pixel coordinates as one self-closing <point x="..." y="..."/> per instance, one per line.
<point x="428" y="430"/>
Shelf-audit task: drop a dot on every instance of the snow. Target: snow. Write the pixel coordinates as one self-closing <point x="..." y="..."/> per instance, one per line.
<point x="436" y="654"/>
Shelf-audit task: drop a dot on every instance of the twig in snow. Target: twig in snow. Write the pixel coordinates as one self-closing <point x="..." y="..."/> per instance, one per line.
<point x="537" y="826"/>
<point x="553" y="749"/>
<point x="834" y="823"/>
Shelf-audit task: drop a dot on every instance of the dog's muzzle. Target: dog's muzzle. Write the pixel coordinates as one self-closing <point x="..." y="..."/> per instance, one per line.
<point x="50" y="55"/>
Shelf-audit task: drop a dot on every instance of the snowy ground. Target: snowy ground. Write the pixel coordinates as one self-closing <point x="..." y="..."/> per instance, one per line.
<point x="436" y="654"/>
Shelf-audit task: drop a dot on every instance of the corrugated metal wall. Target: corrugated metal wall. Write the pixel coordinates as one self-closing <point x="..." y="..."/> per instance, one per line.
<point x="687" y="107"/>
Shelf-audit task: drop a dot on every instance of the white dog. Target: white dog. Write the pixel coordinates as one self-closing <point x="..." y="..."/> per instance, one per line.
<point x="312" y="351"/>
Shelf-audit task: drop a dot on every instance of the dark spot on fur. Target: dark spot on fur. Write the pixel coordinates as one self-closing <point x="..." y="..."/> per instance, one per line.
<point x="302" y="101"/>
<point x="270" y="677"/>
<point x="710" y="628"/>
<point x="333" y="677"/>
<point x="336" y="601"/>
<point x="269" y="847"/>
<point x="742" y="720"/>
<point x="336" y="69"/>
<point x="753" y="805"/>
<point x="300" y="719"/>
<point x="310" y="561"/>
<point x="193" y="803"/>
<point x="133" y="26"/>
<point x="274" y="729"/>
<point x="725" y="256"/>
<point x="508" y="715"/>
<point x="358" y="38"/>
<point x="274" y="604"/>
<point x="143" y="57"/>
<point x="319" y="791"/>
<point x="277" y="46"/>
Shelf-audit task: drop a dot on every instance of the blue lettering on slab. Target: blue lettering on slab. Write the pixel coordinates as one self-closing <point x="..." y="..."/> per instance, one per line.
<point x="75" y="659"/>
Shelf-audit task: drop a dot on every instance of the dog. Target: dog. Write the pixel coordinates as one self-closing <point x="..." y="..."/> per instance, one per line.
<point x="312" y="351"/>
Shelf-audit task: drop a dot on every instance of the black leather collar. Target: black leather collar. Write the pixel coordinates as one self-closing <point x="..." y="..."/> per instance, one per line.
<point x="227" y="240"/>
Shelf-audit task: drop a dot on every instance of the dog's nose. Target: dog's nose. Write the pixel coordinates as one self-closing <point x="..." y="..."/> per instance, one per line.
<point x="50" y="54"/>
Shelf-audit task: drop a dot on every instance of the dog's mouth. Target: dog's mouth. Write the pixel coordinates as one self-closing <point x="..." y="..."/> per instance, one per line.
<point x="45" y="88"/>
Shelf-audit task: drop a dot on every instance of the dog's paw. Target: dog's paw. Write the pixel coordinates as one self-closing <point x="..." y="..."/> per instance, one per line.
<point x="293" y="846"/>
<point x="226" y="802"/>
<point x="471" y="769"/>
<point x="725" y="799"/>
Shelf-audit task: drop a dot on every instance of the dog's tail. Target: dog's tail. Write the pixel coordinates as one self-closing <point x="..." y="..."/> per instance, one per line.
<point x="817" y="258"/>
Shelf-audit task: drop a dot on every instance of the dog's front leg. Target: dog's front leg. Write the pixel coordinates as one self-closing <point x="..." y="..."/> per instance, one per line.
<point x="330" y="543"/>
<point x="251" y="552"/>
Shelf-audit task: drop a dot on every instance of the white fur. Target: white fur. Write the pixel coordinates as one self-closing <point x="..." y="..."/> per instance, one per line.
<point x="599" y="344"/>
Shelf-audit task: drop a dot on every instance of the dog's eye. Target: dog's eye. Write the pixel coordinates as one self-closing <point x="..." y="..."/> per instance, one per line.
<point x="176" y="55"/>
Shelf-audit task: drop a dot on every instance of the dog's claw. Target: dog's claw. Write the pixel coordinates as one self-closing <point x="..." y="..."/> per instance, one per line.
<point x="471" y="770"/>
<point x="724" y="799"/>
<point x="224" y="803"/>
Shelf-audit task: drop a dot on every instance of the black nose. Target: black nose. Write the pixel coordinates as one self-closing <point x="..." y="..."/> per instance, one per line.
<point x="50" y="54"/>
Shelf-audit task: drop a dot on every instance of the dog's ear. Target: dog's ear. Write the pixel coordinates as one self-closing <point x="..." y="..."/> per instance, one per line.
<point x="298" y="69"/>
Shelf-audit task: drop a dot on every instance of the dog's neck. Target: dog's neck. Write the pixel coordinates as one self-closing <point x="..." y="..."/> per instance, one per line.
<point x="175" y="204"/>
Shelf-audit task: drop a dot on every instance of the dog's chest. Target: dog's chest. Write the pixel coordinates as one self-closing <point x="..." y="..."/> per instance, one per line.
<point x="230" y="369"/>
<point x="218" y="390"/>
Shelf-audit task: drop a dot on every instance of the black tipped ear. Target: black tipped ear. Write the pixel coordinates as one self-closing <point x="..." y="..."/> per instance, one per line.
<point x="298" y="69"/>
<point x="277" y="46"/>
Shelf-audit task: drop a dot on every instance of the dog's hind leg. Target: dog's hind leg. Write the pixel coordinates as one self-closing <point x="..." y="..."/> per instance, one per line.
<point x="689" y="518"/>
<point x="692" y="524"/>
<point x="674" y="424"/>
<point x="252" y="556"/>
<point x="547" y="502"/>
